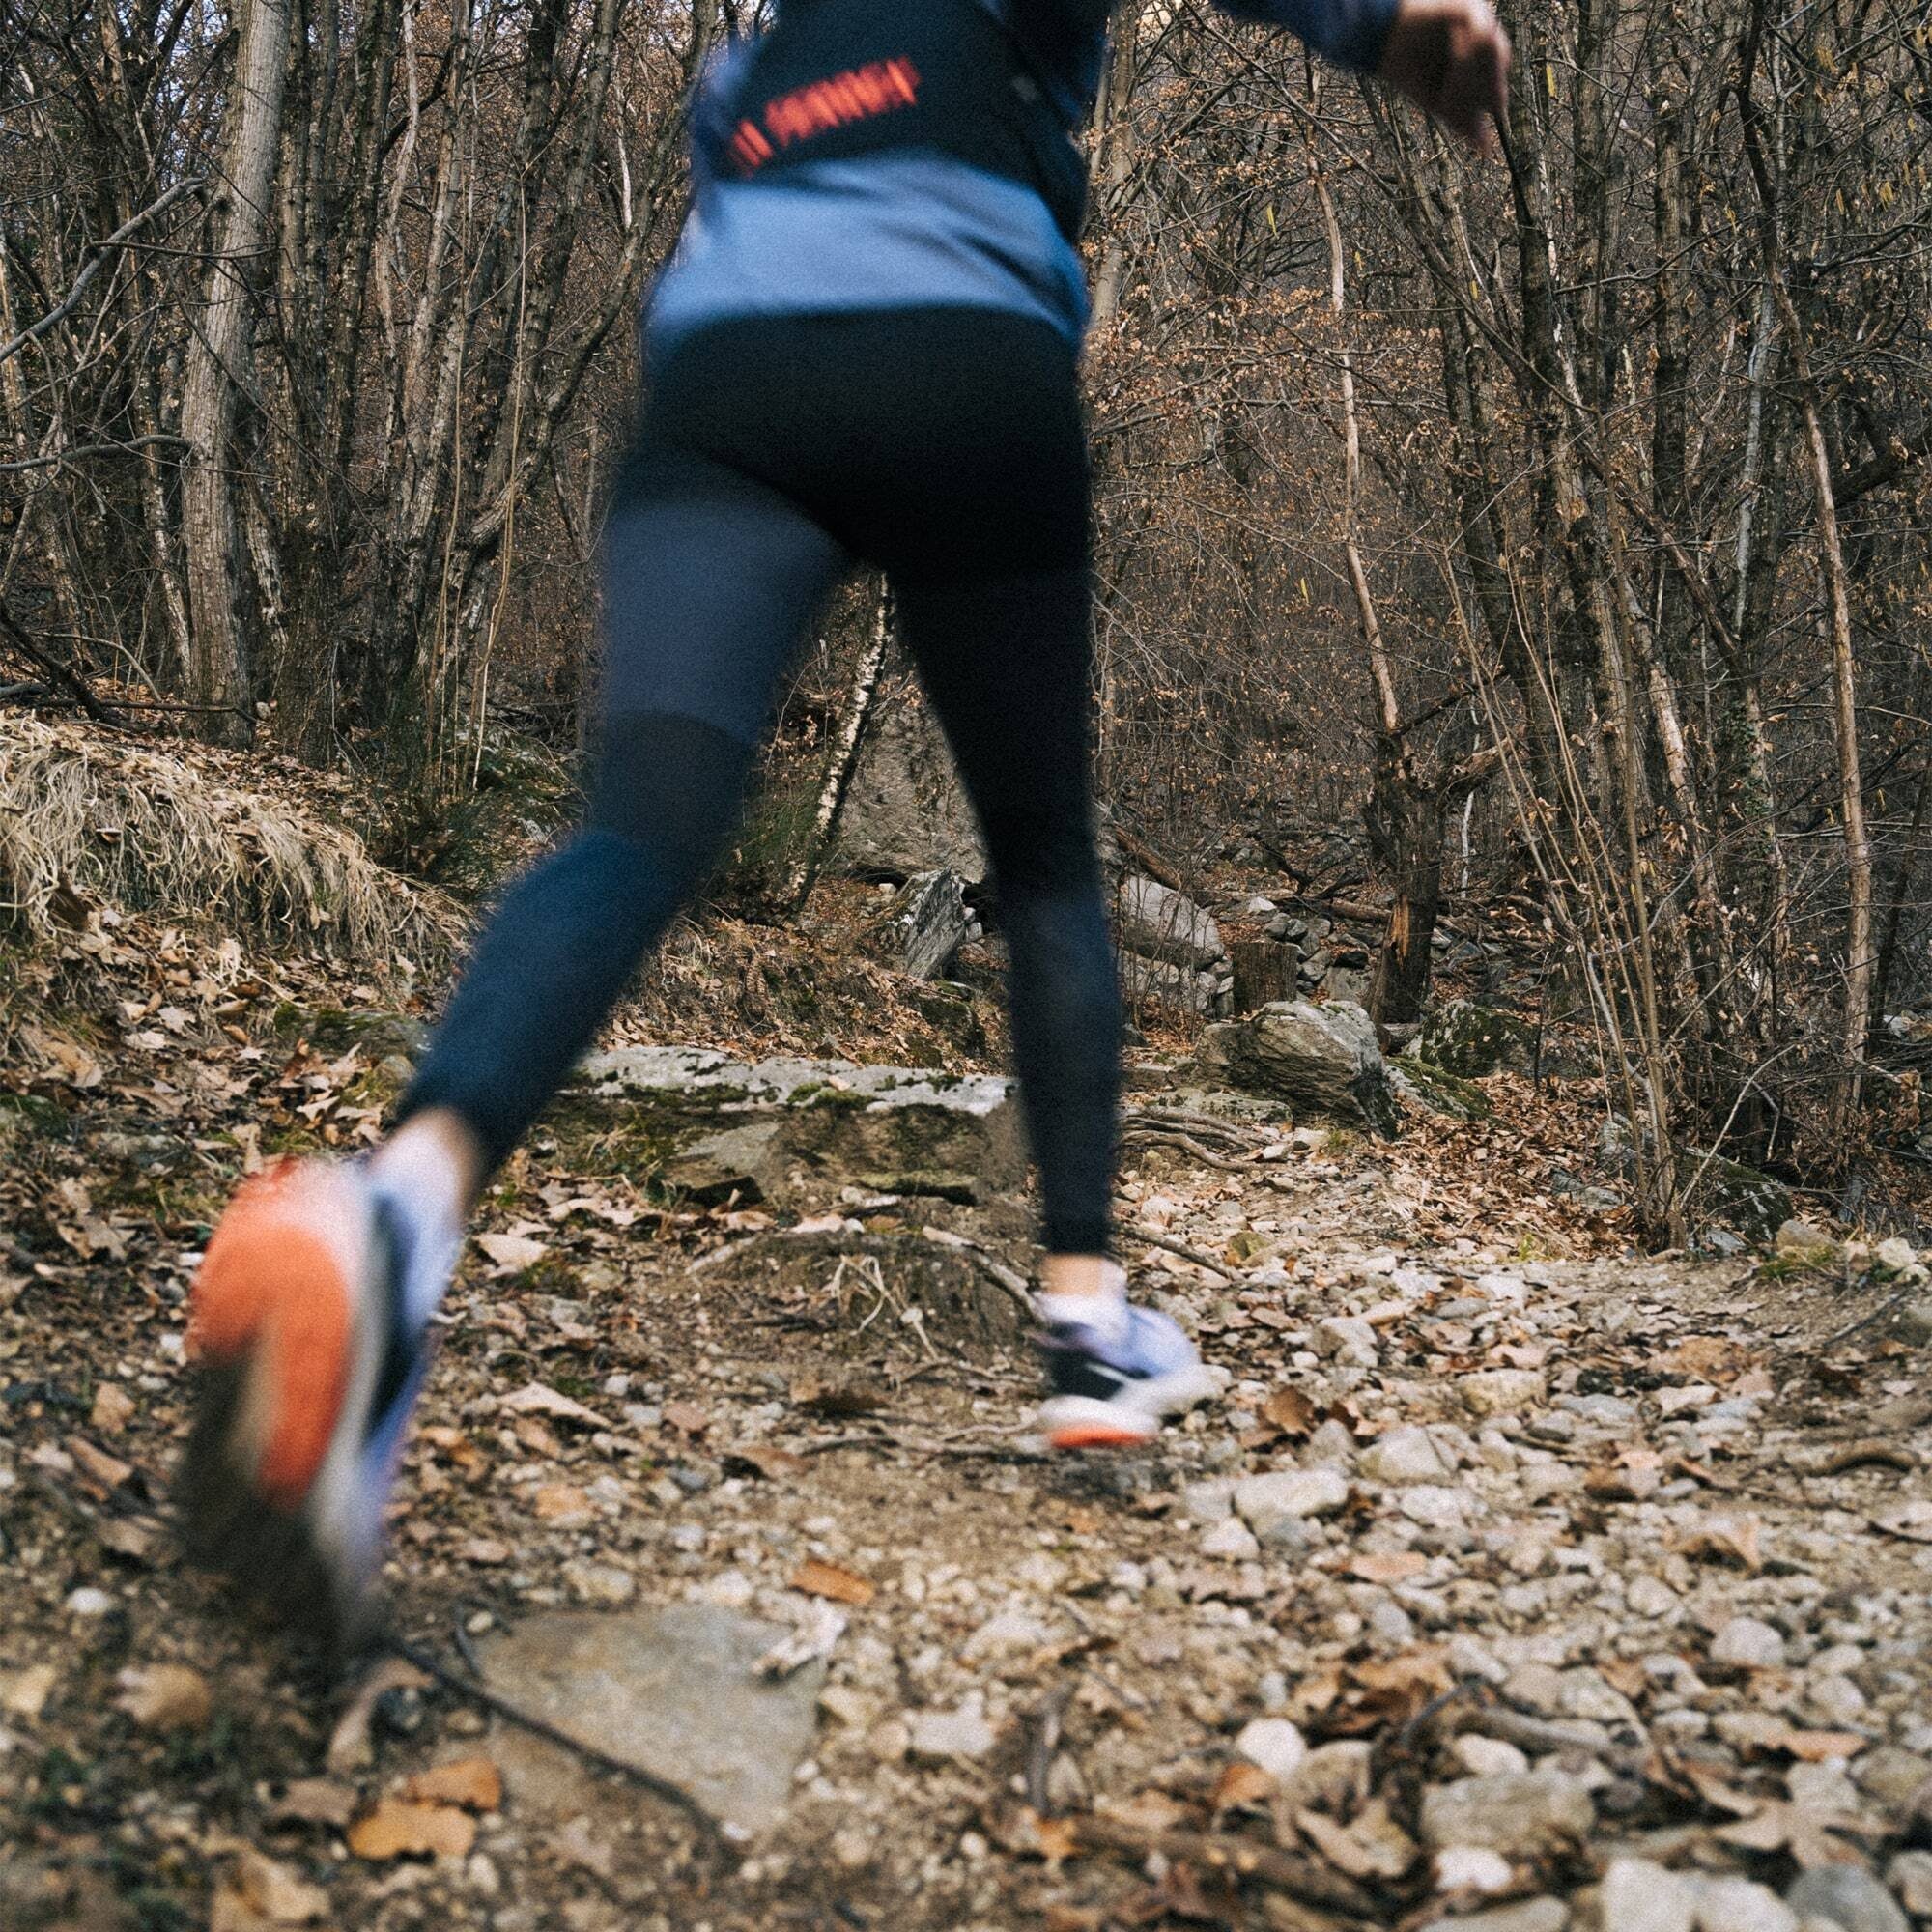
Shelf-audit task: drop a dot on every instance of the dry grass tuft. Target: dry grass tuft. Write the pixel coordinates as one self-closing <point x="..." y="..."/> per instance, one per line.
<point x="189" y="834"/>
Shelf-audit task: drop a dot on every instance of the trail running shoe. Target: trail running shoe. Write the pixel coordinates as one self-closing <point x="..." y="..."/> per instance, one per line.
<point x="308" y="1369"/>
<point x="1113" y="1392"/>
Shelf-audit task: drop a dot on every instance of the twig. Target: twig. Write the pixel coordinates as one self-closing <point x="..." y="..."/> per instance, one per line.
<point x="1149" y="1239"/>
<point x="97" y="253"/>
<point x="480" y="1693"/>
<point x="1240" y="1858"/>
<point x="1174" y="1137"/>
<point x="1890" y="1305"/>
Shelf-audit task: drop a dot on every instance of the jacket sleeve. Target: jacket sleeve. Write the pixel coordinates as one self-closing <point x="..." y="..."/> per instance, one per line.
<point x="1347" y="32"/>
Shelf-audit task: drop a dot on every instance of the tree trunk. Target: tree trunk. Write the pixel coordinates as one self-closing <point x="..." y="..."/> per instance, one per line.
<point x="845" y="748"/>
<point x="220" y="371"/>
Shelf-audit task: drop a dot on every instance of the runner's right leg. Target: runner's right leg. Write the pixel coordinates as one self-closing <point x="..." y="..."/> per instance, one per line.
<point x="311" y="1308"/>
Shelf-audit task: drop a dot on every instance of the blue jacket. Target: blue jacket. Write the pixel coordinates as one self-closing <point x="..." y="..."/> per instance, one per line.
<point x="913" y="153"/>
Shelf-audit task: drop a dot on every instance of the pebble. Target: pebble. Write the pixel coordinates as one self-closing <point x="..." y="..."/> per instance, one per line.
<point x="1350" y="1339"/>
<point x="1737" y="1905"/>
<point x="1503" y="1391"/>
<point x="1208" y="1502"/>
<point x="88" y="1602"/>
<point x="1473" y="1870"/>
<point x="1487" y="1757"/>
<point x="1402" y="1457"/>
<point x="1286" y="1494"/>
<point x="1891" y="1777"/>
<point x="1640" y="1896"/>
<point x="1231" y="1540"/>
<point x="1273" y="1744"/>
<point x="1847" y="1896"/>
<point x="1747" y="1643"/>
<point x="599" y="1583"/>
<point x="1909" y="1875"/>
<point x="1651" y="1597"/>
<point x="938" y="1735"/>
<point x="1518" y="1814"/>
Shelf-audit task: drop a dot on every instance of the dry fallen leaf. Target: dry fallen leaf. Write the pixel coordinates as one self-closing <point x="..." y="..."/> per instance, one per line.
<point x="113" y="1409"/>
<point x="24" y="1693"/>
<point x="1291" y="1412"/>
<point x="1724" y="1539"/>
<point x="166" y="1698"/>
<point x="1819" y="1746"/>
<point x="274" y="1894"/>
<point x="828" y="1580"/>
<point x="562" y="1504"/>
<point x="511" y="1254"/>
<point x="101" y="1474"/>
<point x="472" y="1783"/>
<point x="313" y="1801"/>
<point x="1243" y="1783"/>
<point x="539" y="1399"/>
<point x="397" y="1829"/>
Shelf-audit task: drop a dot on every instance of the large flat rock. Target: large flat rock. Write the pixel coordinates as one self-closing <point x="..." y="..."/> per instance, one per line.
<point x="672" y="1692"/>
<point x="790" y="1131"/>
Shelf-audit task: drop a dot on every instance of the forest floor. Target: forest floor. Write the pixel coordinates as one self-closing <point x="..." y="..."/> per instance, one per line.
<point x="1516" y="1581"/>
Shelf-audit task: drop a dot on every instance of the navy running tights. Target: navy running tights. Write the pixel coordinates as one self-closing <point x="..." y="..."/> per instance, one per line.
<point x="945" y="447"/>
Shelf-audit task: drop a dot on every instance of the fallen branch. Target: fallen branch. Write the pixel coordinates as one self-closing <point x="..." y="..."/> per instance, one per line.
<point x="1149" y="1239"/>
<point x="479" y="1694"/>
<point x="1154" y="1136"/>
<point x="1240" y="1858"/>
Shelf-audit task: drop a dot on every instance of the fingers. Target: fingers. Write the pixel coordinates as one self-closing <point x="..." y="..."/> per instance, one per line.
<point x="1454" y="63"/>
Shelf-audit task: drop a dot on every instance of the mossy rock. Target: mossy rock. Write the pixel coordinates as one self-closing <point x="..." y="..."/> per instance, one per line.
<point x="1471" y="1040"/>
<point x="335" y="1030"/>
<point x="1440" y="1093"/>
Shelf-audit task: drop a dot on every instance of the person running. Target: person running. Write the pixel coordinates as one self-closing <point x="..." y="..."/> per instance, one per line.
<point x="864" y="350"/>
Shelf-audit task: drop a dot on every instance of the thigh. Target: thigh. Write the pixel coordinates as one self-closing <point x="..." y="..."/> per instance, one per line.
<point x="710" y="580"/>
<point x="1007" y="663"/>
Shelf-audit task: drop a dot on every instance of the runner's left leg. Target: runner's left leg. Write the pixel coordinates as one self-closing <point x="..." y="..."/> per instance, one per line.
<point x="311" y="1308"/>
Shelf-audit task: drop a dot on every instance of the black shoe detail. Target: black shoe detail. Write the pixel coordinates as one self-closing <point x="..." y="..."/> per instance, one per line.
<point x="1072" y="1371"/>
<point x="393" y="1242"/>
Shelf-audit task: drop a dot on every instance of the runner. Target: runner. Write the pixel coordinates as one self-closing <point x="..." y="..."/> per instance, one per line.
<point x="864" y="350"/>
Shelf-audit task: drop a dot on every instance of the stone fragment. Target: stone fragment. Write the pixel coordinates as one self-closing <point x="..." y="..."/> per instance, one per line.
<point x="603" y="1583"/>
<point x="1324" y="1059"/>
<point x="1472" y="1871"/>
<point x="1910" y="1876"/>
<point x="1231" y="1541"/>
<point x="1264" y="1502"/>
<point x="1349" y="1340"/>
<point x="1651" y="1597"/>
<point x="1748" y="1643"/>
<point x="939" y="1735"/>
<point x="1160" y="923"/>
<point x="1737" y="1905"/>
<point x="1503" y="1391"/>
<point x="929" y="921"/>
<point x="1800" y="1239"/>
<point x="1273" y="1744"/>
<point x="1640" y="1896"/>
<point x="788" y="1129"/>
<point x="1520" y="1814"/>
<point x="673" y="1691"/>
<point x="1847" y="1896"/>
<point x="1404" y="1456"/>
<point x="1487" y="1757"/>
<point x="905" y="810"/>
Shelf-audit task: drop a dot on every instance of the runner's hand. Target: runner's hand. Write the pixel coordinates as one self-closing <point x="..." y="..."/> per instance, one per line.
<point x="1450" y="57"/>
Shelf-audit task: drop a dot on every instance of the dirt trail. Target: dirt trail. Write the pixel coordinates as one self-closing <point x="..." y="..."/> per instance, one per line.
<point x="1547" y="1591"/>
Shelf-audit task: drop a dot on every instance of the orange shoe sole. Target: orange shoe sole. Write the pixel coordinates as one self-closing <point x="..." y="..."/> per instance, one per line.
<point x="272" y="1292"/>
